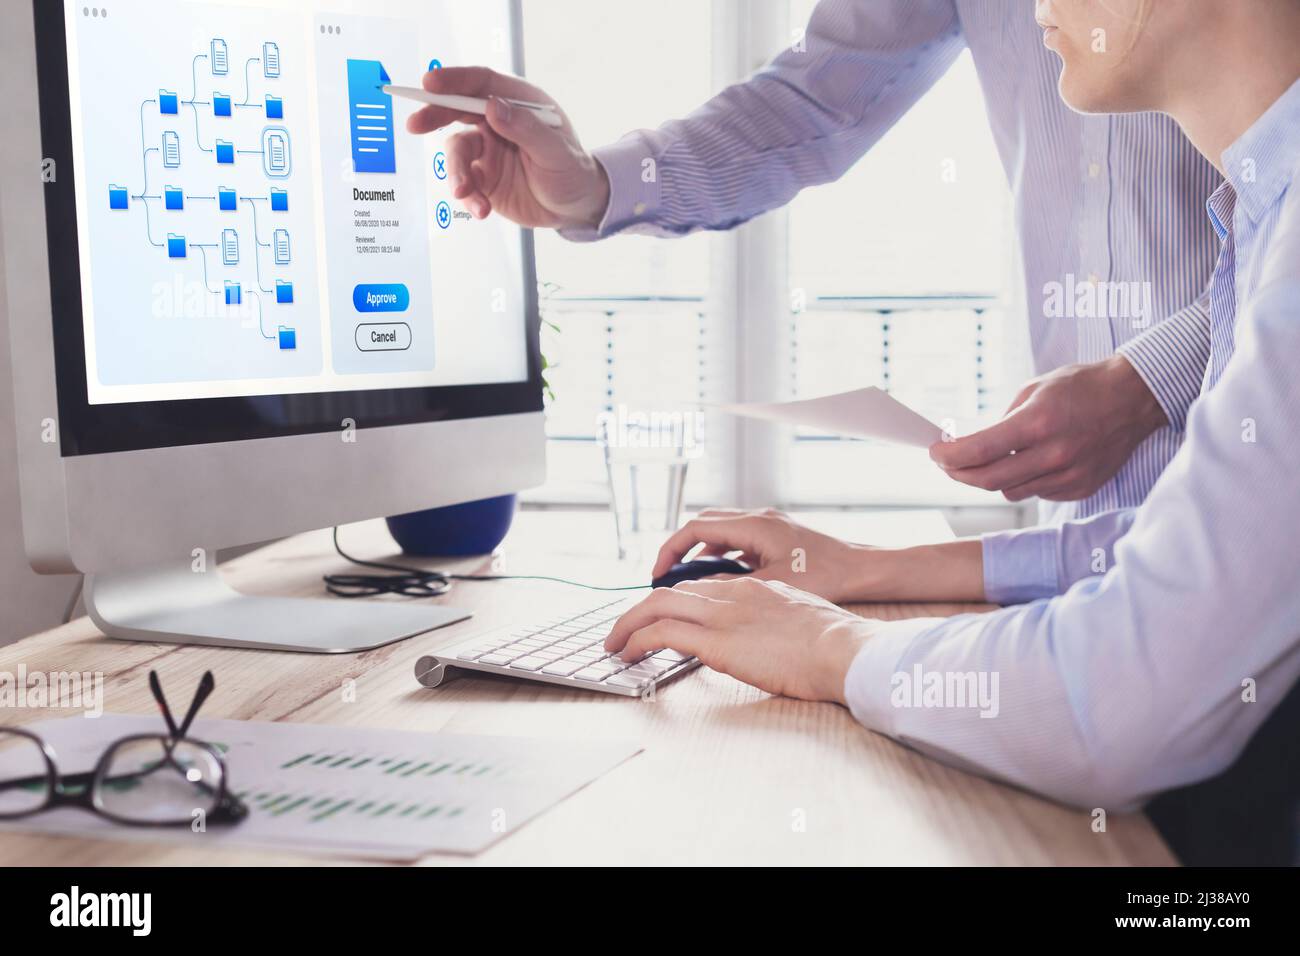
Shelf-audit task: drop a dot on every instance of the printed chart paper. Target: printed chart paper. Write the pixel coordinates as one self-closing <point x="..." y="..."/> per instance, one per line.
<point x="349" y="791"/>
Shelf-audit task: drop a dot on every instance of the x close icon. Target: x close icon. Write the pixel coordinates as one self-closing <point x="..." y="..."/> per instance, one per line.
<point x="440" y="165"/>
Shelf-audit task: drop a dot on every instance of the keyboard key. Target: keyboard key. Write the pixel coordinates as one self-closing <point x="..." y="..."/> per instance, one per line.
<point x="670" y="655"/>
<point x="626" y="680"/>
<point x="593" y="674"/>
<point x="563" y="668"/>
<point x="499" y="659"/>
<point x="529" y="663"/>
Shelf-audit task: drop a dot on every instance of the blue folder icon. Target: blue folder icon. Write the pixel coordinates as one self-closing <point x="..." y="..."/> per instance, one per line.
<point x="288" y="337"/>
<point x="274" y="107"/>
<point x="226" y="200"/>
<point x="221" y="104"/>
<point x="225" y="152"/>
<point x="175" y="246"/>
<point x="234" y="294"/>
<point x="116" y="197"/>
<point x="279" y="200"/>
<point x="167" y="102"/>
<point x="283" y="292"/>
<point x="173" y="198"/>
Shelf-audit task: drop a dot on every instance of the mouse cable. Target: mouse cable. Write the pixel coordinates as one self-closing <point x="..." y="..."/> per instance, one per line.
<point x="417" y="582"/>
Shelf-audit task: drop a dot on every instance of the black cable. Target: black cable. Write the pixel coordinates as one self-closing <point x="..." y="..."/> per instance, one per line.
<point x="416" y="582"/>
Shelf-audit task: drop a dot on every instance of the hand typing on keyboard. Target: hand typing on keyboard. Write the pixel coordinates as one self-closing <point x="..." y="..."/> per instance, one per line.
<point x="766" y="633"/>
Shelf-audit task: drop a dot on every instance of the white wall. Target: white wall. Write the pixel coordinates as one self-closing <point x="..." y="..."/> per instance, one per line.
<point x="29" y="602"/>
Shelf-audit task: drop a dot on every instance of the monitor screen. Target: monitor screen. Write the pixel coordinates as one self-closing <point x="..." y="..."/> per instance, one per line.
<point x="252" y="225"/>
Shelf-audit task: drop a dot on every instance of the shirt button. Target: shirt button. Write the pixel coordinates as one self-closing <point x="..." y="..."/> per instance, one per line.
<point x="639" y="208"/>
<point x="1094" y="170"/>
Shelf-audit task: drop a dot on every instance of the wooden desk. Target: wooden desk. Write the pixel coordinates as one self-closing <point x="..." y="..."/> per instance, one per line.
<point x="729" y="775"/>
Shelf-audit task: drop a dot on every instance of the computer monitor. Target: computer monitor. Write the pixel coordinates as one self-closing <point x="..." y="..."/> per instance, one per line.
<point x="242" y="302"/>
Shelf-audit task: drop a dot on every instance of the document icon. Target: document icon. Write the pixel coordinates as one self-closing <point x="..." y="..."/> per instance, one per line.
<point x="116" y="197"/>
<point x="175" y="246"/>
<point x="234" y="294"/>
<point x="288" y="337"/>
<point x="173" y="198"/>
<point x="280" y="241"/>
<point x="372" y="118"/>
<point x="270" y="60"/>
<point x="229" y="247"/>
<point x="220" y="58"/>
<point x="167" y="102"/>
<point x="226" y="200"/>
<point x="276" y="161"/>
<point x="283" y="292"/>
<point x="274" y="107"/>
<point x="220" y="104"/>
<point x="171" y="149"/>
<point x="279" y="200"/>
<point x="225" y="152"/>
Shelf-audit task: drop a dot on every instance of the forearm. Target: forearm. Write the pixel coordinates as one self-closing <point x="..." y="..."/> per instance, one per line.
<point x="951" y="571"/>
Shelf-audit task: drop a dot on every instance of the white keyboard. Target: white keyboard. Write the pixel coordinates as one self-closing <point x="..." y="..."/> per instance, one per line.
<point x="567" y="650"/>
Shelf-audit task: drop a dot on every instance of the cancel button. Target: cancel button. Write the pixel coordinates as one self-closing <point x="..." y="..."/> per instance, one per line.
<point x="383" y="336"/>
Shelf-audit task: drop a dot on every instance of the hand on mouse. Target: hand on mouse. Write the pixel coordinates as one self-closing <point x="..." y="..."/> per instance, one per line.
<point x="776" y="547"/>
<point x="776" y="637"/>
<point x="509" y="161"/>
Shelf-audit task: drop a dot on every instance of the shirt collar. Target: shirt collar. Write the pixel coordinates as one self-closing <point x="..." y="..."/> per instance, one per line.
<point x="1262" y="162"/>
<point x="1221" y="205"/>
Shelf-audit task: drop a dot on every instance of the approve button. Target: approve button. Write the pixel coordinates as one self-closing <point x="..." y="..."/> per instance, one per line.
<point x="381" y="297"/>
<point x="383" y="336"/>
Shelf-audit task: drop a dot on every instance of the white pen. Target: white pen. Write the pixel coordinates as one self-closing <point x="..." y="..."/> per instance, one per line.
<point x="471" y="104"/>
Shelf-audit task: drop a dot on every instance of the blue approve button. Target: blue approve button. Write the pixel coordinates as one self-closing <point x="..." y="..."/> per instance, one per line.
<point x="381" y="297"/>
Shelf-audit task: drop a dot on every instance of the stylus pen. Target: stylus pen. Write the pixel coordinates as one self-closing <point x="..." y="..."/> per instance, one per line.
<point x="471" y="104"/>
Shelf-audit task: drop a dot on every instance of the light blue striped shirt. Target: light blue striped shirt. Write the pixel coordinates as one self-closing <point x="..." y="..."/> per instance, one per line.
<point x="1108" y="200"/>
<point x="1155" y="672"/>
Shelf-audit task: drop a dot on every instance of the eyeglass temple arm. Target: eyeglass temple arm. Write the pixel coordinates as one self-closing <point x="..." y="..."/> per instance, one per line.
<point x="155" y="686"/>
<point x="206" y="686"/>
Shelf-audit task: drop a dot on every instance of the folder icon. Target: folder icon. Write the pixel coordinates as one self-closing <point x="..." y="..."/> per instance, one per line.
<point x="226" y="200"/>
<point x="225" y="152"/>
<point x="221" y="104"/>
<point x="168" y="102"/>
<point x="234" y="294"/>
<point x="288" y="337"/>
<point x="279" y="199"/>
<point x="283" y="292"/>
<point x="175" y="246"/>
<point x="116" y="197"/>
<point x="173" y="198"/>
<point x="274" y="107"/>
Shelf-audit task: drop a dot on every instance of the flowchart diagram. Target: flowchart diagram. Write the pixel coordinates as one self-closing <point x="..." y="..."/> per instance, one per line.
<point x="250" y="257"/>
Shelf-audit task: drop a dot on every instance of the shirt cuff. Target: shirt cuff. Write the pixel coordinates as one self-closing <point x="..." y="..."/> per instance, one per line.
<point x="1021" y="566"/>
<point x="870" y="681"/>
<point x="1170" y="358"/>
<point x="632" y="200"/>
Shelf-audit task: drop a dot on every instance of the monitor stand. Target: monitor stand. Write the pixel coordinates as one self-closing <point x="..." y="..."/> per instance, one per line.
<point x="175" y="604"/>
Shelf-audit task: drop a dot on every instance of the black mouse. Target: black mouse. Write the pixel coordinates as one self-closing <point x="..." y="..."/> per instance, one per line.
<point x="702" y="567"/>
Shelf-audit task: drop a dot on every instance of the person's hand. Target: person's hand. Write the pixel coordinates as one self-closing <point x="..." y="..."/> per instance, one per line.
<point x="778" y="638"/>
<point x="1064" y="436"/>
<point x="776" y="547"/>
<point x="509" y="161"/>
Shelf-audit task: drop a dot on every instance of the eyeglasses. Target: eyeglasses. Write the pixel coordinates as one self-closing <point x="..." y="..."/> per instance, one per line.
<point x="141" y="780"/>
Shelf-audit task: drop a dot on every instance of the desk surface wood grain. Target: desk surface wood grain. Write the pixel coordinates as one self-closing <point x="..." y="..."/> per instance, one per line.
<point x="729" y="775"/>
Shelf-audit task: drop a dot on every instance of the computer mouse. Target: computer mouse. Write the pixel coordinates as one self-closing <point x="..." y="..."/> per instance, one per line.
<point x="702" y="567"/>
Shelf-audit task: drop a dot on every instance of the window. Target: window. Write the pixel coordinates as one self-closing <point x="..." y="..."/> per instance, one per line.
<point x="898" y="275"/>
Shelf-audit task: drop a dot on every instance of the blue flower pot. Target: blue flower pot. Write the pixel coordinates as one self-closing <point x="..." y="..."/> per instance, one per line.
<point x="475" y="527"/>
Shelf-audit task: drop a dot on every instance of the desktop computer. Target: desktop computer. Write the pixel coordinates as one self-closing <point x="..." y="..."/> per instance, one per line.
<point x="241" y="305"/>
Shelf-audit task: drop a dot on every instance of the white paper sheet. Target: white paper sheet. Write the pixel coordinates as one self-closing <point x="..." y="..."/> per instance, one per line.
<point x="861" y="413"/>
<point x="350" y="791"/>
